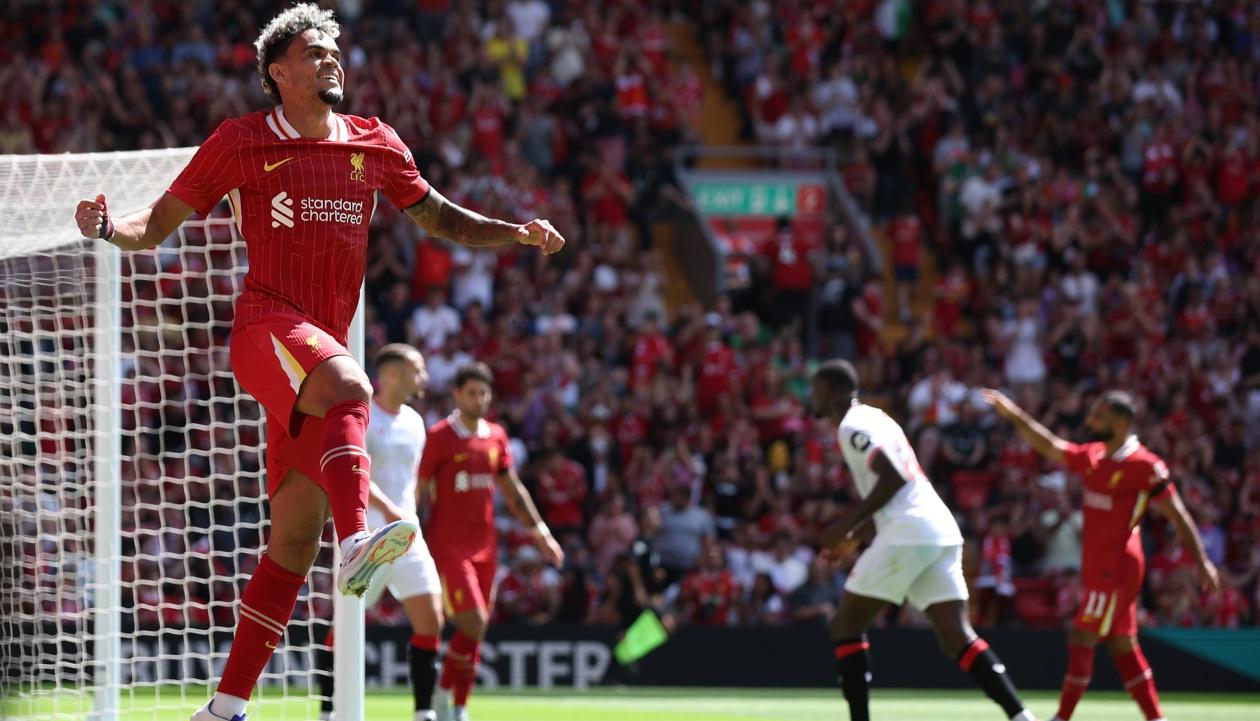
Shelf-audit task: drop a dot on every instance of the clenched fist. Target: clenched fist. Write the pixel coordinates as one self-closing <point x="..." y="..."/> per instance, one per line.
<point x="92" y="217"/>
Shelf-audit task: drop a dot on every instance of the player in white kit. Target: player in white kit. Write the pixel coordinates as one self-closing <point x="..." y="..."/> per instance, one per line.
<point x="916" y="554"/>
<point x="395" y="442"/>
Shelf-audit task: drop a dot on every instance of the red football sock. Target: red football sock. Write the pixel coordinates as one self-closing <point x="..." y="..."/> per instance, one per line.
<point x="346" y="466"/>
<point x="266" y="607"/>
<point x="1079" y="672"/>
<point x="459" y="666"/>
<point x="464" y="684"/>
<point x="1139" y="681"/>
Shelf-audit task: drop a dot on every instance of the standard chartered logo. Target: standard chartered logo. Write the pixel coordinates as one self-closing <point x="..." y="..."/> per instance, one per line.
<point x="337" y="210"/>
<point x="282" y="210"/>
<point x="315" y="210"/>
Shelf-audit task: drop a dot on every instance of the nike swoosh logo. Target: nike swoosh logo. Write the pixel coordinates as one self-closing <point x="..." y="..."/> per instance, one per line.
<point x="268" y="167"/>
<point x="270" y="645"/>
<point x="460" y="457"/>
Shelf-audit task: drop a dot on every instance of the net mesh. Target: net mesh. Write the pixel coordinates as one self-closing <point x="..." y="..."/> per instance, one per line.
<point x="191" y="472"/>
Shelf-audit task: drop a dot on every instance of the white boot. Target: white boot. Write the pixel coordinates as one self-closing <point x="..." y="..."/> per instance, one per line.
<point x="364" y="555"/>
<point x="443" y="704"/>
<point x="205" y="714"/>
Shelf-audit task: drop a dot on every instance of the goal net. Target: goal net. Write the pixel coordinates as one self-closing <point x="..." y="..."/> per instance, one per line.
<point x="132" y="502"/>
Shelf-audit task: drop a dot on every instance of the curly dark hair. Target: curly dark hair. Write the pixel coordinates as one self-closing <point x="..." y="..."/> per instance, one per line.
<point x="476" y="371"/>
<point x="273" y="40"/>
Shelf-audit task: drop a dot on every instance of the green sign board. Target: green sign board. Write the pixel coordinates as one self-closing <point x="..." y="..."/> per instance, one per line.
<point x="770" y="198"/>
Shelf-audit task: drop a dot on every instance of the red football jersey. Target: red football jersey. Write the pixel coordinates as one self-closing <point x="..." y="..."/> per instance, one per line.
<point x="303" y="207"/>
<point x="463" y="467"/>
<point x="1116" y="492"/>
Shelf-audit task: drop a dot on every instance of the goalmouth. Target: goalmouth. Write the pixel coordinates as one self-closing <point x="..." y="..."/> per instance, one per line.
<point x="132" y="492"/>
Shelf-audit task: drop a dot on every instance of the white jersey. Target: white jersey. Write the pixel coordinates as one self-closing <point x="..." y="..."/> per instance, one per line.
<point x="395" y="442"/>
<point x="916" y="516"/>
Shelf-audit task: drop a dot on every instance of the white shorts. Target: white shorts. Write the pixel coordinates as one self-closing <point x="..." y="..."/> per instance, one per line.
<point x="414" y="574"/>
<point x="922" y="575"/>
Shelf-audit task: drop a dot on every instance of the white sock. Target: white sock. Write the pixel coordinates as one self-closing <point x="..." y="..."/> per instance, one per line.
<point x="325" y="716"/>
<point x="1024" y="715"/>
<point x="426" y="716"/>
<point x="227" y="706"/>
<point x="348" y="544"/>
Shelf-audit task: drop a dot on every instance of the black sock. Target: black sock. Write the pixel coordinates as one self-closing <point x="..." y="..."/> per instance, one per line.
<point x="853" y="662"/>
<point x="986" y="668"/>
<point x="324" y="677"/>
<point x="423" y="676"/>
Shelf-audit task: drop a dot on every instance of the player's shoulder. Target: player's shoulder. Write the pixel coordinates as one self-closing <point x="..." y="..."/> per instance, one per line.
<point x="249" y="125"/>
<point x="370" y="130"/>
<point x="1144" y="457"/>
<point x="863" y="426"/>
<point x="411" y="414"/>
<point x="866" y="418"/>
<point x="441" y="430"/>
<point x="497" y="432"/>
<point x="1091" y="449"/>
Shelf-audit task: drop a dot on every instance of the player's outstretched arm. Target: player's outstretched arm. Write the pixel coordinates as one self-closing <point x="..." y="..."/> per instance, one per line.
<point x="1038" y="436"/>
<point x="141" y="230"/>
<point x="444" y="219"/>
<point x="1171" y="507"/>
<point x="844" y="535"/>
<point x="524" y="510"/>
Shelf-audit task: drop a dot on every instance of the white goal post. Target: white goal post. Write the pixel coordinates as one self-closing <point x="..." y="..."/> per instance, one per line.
<point x="132" y="496"/>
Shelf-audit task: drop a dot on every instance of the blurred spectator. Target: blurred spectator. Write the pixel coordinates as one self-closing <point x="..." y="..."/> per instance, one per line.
<point x="781" y="563"/>
<point x="613" y="530"/>
<point x="529" y="593"/>
<point x="709" y="594"/>
<point x="432" y="322"/>
<point x="762" y="605"/>
<point x="815" y="600"/>
<point x="561" y="488"/>
<point x="684" y="527"/>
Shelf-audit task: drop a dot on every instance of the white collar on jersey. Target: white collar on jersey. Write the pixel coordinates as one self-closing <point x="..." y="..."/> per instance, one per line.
<point x="1126" y="449"/>
<point x="284" y="130"/>
<point x="461" y="430"/>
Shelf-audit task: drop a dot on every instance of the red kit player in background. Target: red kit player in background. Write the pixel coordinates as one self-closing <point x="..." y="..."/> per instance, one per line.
<point x="1119" y="477"/>
<point x="465" y="458"/>
<point x="302" y="181"/>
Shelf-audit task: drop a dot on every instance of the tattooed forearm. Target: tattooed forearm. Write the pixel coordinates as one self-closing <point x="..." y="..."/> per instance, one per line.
<point x="518" y="500"/>
<point x="444" y="219"/>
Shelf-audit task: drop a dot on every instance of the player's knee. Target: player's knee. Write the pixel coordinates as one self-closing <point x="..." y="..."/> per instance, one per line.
<point x="1077" y="637"/>
<point x="841" y="628"/>
<point x="951" y="643"/>
<point x="478" y="623"/>
<point x="1121" y="645"/>
<point x="355" y="387"/>
<point x="952" y="637"/>
<point x="295" y="553"/>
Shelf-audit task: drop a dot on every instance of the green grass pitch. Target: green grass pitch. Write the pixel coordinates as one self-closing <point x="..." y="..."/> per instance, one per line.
<point x="673" y="705"/>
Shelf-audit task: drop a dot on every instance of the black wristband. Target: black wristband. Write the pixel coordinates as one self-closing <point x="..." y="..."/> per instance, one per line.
<point x="107" y="228"/>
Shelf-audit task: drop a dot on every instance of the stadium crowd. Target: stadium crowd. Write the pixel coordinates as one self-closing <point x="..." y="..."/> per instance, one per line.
<point x="1076" y="183"/>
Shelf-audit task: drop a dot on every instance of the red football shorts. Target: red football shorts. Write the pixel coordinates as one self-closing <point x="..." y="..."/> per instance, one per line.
<point x="270" y="358"/>
<point x="1109" y="605"/>
<point x="466" y="584"/>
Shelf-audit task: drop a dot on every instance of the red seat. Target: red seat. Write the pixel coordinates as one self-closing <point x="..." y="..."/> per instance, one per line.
<point x="1034" y="602"/>
<point x="971" y="488"/>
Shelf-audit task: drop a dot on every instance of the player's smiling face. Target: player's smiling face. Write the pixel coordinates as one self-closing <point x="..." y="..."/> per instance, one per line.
<point x="312" y="66"/>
